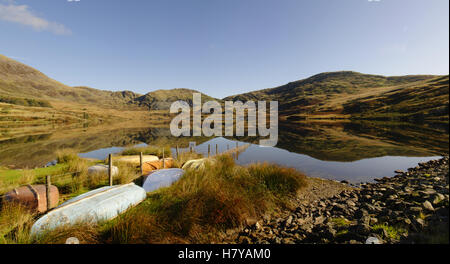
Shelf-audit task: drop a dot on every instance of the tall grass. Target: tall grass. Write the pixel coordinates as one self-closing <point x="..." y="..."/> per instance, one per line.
<point x="207" y="201"/>
<point x="184" y="157"/>
<point x="15" y="223"/>
<point x="148" y="150"/>
<point x="196" y="209"/>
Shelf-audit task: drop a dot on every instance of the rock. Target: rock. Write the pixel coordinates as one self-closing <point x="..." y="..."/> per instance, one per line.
<point x="428" y="206"/>
<point x="420" y="222"/>
<point x="373" y="240"/>
<point x="399" y="171"/>
<point x="351" y="203"/>
<point x="438" y="198"/>
<point x="415" y="209"/>
<point x="289" y="220"/>
<point x="407" y="221"/>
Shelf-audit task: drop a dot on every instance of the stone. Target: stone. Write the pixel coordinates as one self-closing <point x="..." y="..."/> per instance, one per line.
<point x="289" y="220"/>
<point x="438" y="198"/>
<point x="373" y="240"/>
<point x="428" y="206"/>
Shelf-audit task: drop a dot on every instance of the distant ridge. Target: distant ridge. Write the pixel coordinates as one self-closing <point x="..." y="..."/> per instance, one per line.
<point x="341" y="94"/>
<point x="18" y="80"/>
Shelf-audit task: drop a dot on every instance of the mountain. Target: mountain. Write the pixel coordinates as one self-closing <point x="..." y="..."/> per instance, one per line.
<point x="162" y="99"/>
<point x="18" y="80"/>
<point x="337" y="94"/>
<point x="342" y="94"/>
<point x="24" y="85"/>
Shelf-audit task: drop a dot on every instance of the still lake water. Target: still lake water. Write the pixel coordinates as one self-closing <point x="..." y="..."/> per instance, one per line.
<point x="355" y="152"/>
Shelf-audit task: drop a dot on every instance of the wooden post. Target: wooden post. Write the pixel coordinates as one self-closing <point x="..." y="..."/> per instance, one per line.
<point x="163" y="158"/>
<point x="47" y="189"/>
<point x="237" y="145"/>
<point x="110" y="170"/>
<point x="141" y="163"/>
<point x="209" y="150"/>
<point x="178" y="153"/>
<point x="217" y="150"/>
<point x="228" y="147"/>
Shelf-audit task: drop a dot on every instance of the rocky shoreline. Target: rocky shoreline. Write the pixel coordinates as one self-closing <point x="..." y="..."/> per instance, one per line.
<point x="411" y="207"/>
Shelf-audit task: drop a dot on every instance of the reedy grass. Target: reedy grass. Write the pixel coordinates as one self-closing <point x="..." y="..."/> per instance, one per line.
<point x="205" y="202"/>
<point x="15" y="223"/>
<point x="196" y="209"/>
<point x="148" y="150"/>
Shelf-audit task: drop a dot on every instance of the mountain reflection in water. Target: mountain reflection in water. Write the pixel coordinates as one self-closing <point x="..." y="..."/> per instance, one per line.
<point x="352" y="151"/>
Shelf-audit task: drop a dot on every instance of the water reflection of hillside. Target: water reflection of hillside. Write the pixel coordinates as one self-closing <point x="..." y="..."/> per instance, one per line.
<point x="328" y="141"/>
<point x="37" y="150"/>
<point x="351" y="141"/>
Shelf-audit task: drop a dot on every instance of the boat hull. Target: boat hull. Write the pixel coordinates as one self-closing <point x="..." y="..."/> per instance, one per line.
<point x="98" y="205"/>
<point x="161" y="178"/>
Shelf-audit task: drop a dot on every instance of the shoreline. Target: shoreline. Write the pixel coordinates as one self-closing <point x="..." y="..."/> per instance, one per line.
<point x="411" y="207"/>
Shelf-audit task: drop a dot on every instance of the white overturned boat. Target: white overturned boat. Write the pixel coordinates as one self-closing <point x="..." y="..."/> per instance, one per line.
<point x="98" y="205"/>
<point x="161" y="178"/>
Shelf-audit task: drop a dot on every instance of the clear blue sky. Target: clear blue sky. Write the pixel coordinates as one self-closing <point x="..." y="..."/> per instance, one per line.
<point x="222" y="47"/>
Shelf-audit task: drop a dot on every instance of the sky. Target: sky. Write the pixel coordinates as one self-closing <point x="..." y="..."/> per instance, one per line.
<point x="222" y="47"/>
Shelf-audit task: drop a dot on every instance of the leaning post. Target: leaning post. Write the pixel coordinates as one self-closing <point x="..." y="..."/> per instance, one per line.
<point x="110" y="170"/>
<point x="163" y="159"/>
<point x="47" y="189"/>
<point x="141" y="163"/>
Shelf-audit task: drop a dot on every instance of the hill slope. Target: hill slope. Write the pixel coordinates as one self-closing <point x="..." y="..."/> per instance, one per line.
<point x="327" y="93"/>
<point x="162" y="99"/>
<point x="24" y="85"/>
<point x="22" y="81"/>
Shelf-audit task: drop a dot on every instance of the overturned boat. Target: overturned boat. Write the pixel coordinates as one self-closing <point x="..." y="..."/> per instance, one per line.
<point x="197" y="163"/>
<point x="161" y="178"/>
<point x="135" y="159"/>
<point x="101" y="169"/>
<point x="148" y="167"/>
<point x="98" y="205"/>
<point x="34" y="197"/>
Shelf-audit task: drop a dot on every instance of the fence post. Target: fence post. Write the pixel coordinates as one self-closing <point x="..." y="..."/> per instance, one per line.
<point x="178" y="153"/>
<point x="47" y="189"/>
<point x="110" y="170"/>
<point x="209" y="150"/>
<point x="163" y="158"/>
<point x="217" y="150"/>
<point x="228" y="147"/>
<point x="140" y="162"/>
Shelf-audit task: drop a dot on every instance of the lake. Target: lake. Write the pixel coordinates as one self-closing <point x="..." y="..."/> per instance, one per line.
<point x="351" y="151"/>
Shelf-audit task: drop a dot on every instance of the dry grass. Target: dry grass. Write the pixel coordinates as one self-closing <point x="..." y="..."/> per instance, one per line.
<point x="15" y="223"/>
<point x="195" y="209"/>
<point x="148" y="150"/>
<point x="205" y="202"/>
<point x="184" y="157"/>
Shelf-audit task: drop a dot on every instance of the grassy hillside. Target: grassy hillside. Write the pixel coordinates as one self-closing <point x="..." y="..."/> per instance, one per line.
<point x="329" y="94"/>
<point x="24" y="85"/>
<point x="420" y="100"/>
<point x="162" y="99"/>
<point x="18" y="80"/>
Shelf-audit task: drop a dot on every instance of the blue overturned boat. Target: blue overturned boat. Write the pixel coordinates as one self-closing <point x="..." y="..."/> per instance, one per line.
<point x="161" y="178"/>
<point x="98" y="205"/>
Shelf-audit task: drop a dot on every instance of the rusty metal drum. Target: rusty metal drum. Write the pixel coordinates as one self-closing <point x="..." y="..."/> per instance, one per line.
<point x="148" y="167"/>
<point x="34" y="197"/>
